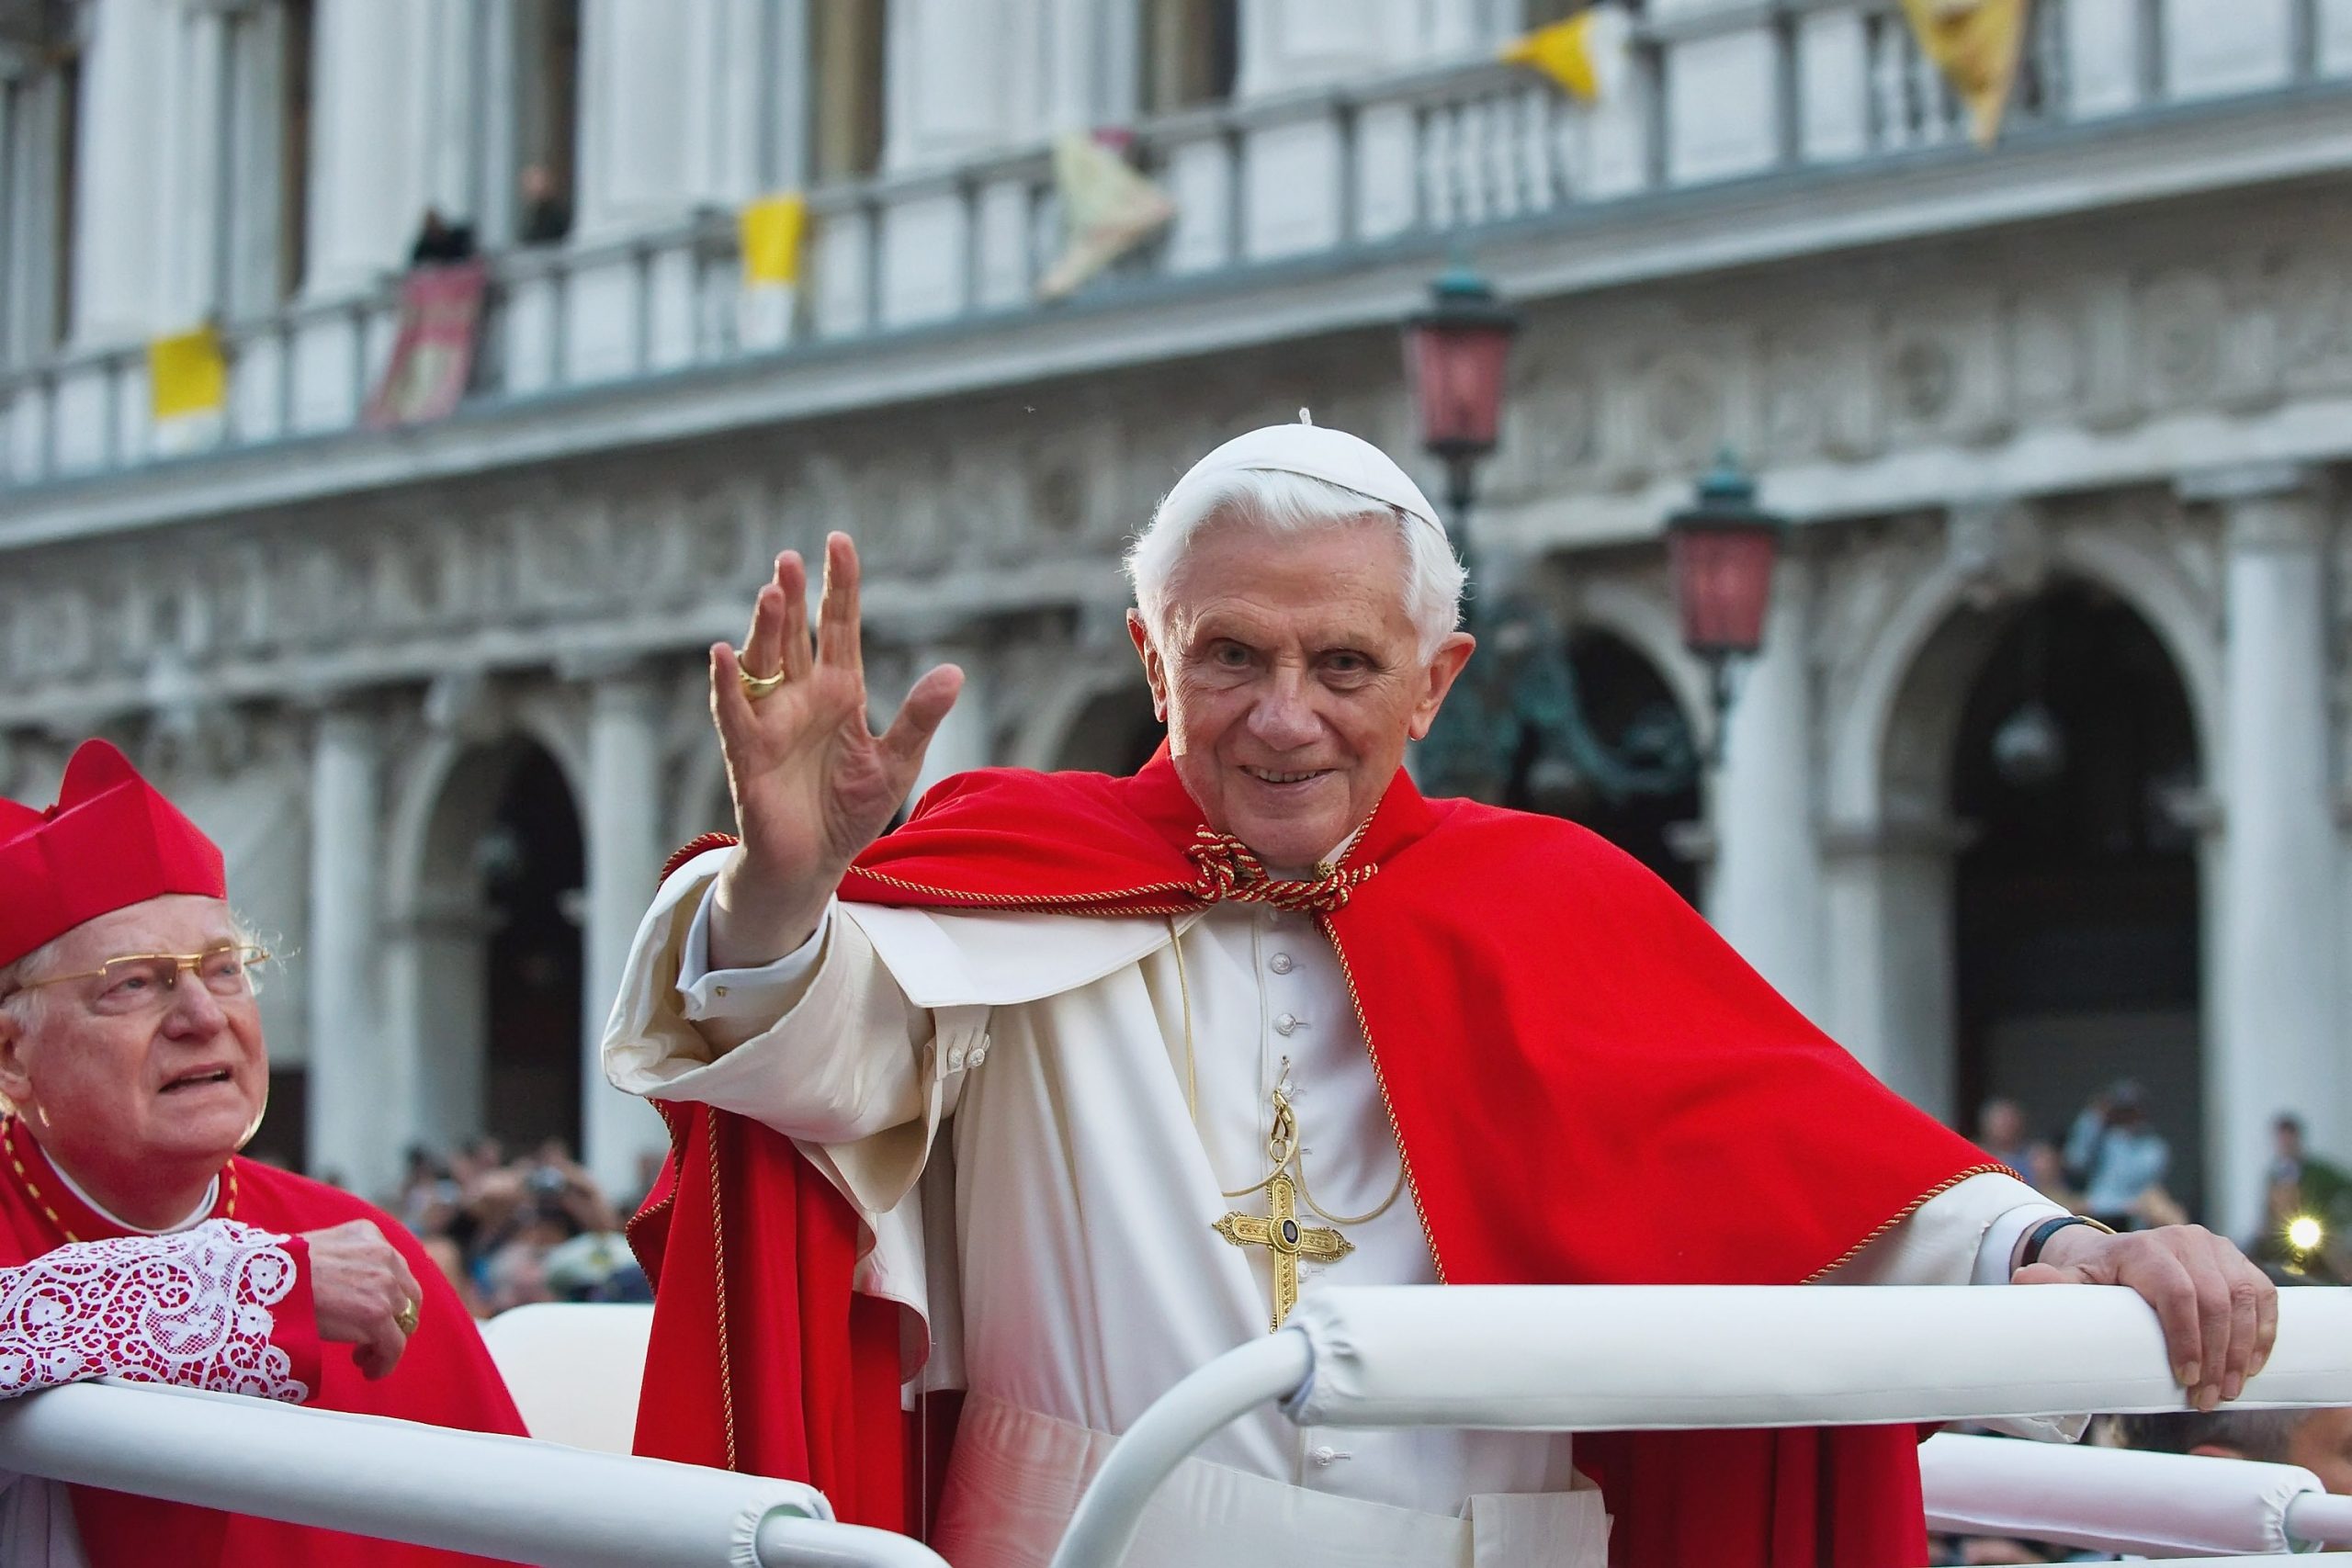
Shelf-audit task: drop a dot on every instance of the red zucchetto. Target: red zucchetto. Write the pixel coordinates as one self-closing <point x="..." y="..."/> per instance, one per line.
<point x="111" y="840"/>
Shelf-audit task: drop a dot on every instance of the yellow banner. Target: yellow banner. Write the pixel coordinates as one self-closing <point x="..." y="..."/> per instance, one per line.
<point x="771" y="229"/>
<point x="1976" y="44"/>
<point x="188" y="374"/>
<point x="1564" y="52"/>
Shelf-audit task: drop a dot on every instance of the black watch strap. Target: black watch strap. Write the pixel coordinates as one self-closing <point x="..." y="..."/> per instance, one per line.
<point x="2038" y="1238"/>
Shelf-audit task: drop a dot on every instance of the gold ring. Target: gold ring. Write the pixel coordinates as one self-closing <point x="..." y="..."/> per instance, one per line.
<point x="758" y="686"/>
<point x="406" y="1318"/>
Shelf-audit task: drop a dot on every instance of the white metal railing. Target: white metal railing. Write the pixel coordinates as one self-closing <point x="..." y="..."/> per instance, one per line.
<point x="508" y="1498"/>
<point x="1735" y="92"/>
<point x="1619" y="1358"/>
<point x="2148" y="1505"/>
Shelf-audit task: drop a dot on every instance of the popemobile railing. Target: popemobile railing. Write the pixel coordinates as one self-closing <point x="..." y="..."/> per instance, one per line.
<point x="1547" y="1359"/>
<point x="509" y="1498"/>
<point x="1626" y="1358"/>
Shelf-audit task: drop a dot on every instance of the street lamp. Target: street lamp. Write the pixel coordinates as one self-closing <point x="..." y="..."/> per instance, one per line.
<point x="1516" y="708"/>
<point x="1721" y="549"/>
<point x="1455" y="354"/>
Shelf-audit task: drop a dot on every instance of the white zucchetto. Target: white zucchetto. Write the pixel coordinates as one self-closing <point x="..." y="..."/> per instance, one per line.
<point x="1331" y="455"/>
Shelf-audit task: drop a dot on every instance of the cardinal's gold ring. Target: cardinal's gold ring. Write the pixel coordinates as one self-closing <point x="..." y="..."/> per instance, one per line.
<point x="406" y="1318"/>
<point x="758" y="686"/>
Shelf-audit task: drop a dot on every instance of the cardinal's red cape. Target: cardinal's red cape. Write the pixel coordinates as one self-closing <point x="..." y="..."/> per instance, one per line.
<point x="1590" y="1088"/>
<point x="445" y="1376"/>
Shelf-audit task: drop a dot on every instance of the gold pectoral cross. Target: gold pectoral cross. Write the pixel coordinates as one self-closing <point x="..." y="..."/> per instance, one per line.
<point x="1281" y="1234"/>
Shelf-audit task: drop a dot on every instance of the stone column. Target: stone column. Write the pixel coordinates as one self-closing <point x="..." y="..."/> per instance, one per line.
<point x="1890" y="954"/>
<point x="1765" y="895"/>
<point x="2277" y="1049"/>
<point x="1288" y="44"/>
<point x="644" y="84"/>
<point x="196" y="186"/>
<point x="122" y="195"/>
<point x="368" y="167"/>
<point x="954" y="78"/>
<point x="359" y="1099"/>
<point x="623" y="864"/>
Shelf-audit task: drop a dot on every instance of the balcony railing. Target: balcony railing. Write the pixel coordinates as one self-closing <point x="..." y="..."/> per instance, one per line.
<point x="1764" y="88"/>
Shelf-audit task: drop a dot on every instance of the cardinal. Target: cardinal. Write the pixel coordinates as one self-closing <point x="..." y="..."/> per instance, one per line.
<point x="1074" y="1083"/>
<point x="133" y="1069"/>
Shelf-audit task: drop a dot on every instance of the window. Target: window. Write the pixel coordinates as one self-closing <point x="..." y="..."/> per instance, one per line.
<point x="1191" y="50"/>
<point x="40" y="130"/>
<point x="297" y="20"/>
<point x="846" y="88"/>
<point x="546" y="118"/>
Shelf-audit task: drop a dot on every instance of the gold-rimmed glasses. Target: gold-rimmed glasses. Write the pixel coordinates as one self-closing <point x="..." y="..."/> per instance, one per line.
<point x="140" y="982"/>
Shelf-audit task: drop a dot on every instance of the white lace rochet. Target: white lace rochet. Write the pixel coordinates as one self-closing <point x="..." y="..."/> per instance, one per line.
<point x="191" y="1309"/>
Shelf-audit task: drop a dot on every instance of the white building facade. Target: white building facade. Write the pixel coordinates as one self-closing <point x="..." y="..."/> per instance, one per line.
<point x="2060" y="424"/>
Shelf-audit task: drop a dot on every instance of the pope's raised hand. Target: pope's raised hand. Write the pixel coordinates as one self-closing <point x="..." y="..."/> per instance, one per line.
<point x="813" y="784"/>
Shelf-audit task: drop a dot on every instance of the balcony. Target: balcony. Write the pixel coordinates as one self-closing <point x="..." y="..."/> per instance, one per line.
<point x="1795" y="101"/>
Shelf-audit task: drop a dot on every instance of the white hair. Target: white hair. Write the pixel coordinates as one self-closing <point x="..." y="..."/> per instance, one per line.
<point x="1282" y="502"/>
<point x="25" y="1006"/>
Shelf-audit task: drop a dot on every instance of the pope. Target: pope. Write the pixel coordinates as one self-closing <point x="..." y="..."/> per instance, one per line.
<point x="1074" y="1083"/>
<point x="133" y="1066"/>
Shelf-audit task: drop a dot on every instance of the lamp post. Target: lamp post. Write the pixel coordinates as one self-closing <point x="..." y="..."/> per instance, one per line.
<point x="1516" y="706"/>
<point x="1455" y="355"/>
<point x="1721" y="549"/>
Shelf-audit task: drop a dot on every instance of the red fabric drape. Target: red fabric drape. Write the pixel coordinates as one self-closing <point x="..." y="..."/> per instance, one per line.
<point x="1588" y="1086"/>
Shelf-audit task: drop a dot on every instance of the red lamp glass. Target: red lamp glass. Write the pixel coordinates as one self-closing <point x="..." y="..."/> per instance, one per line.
<point x="1455" y="355"/>
<point x="1722" y="550"/>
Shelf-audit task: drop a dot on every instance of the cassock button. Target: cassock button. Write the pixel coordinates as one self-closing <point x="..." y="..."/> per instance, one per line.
<point x="980" y="1054"/>
<point x="1280" y="963"/>
<point x="955" y="1059"/>
<point x="1285" y="1023"/>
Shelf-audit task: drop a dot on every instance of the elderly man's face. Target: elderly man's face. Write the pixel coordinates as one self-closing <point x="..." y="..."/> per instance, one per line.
<point x="1289" y="674"/>
<point x="110" y="1083"/>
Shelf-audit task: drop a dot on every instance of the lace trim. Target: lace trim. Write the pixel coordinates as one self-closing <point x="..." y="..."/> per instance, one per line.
<point x="190" y="1309"/>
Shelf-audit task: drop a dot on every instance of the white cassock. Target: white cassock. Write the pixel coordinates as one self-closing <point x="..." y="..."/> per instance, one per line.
<point x="1056" y="1245"/>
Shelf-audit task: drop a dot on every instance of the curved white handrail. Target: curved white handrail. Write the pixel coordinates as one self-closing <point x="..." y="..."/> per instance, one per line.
<point x="496" y="1496"/>
<point x="1178" y="1421"/>
<point x="1619" y="1358"/>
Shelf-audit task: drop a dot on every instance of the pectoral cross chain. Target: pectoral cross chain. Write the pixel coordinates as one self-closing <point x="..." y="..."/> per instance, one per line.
<point x="1281" y="1234"/>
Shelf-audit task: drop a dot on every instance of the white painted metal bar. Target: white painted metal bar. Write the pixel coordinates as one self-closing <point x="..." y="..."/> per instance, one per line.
<point x="1178" y="1421"/>
<point x="2321" y="1519"/>
<point x="503" y="1498"/>
<point x="1612" y="1358"/>
<point x="2146" y="1505"/>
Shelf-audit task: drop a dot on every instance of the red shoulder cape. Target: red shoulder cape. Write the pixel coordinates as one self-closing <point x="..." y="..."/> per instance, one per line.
<point x="445" y="1376"/>
<point x="1647" y="1111"/>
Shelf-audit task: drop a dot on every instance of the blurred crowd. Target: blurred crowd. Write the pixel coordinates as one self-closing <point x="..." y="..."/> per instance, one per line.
<point x="509" y="1232"/>
<point x="2111" y="1164"/>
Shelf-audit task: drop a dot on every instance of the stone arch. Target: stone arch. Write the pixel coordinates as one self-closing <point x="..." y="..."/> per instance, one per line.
<point x="1904" y="677"/>
<point x="1646" y="623"/>
<point x="1893" y="840"/>
<point x="1113" y="732"/>
<point x="444" y="928"/>
<point x="1073" y="718"/>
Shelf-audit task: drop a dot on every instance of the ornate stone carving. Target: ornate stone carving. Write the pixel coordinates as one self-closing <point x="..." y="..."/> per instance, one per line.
<point x="1999" y="548"/>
